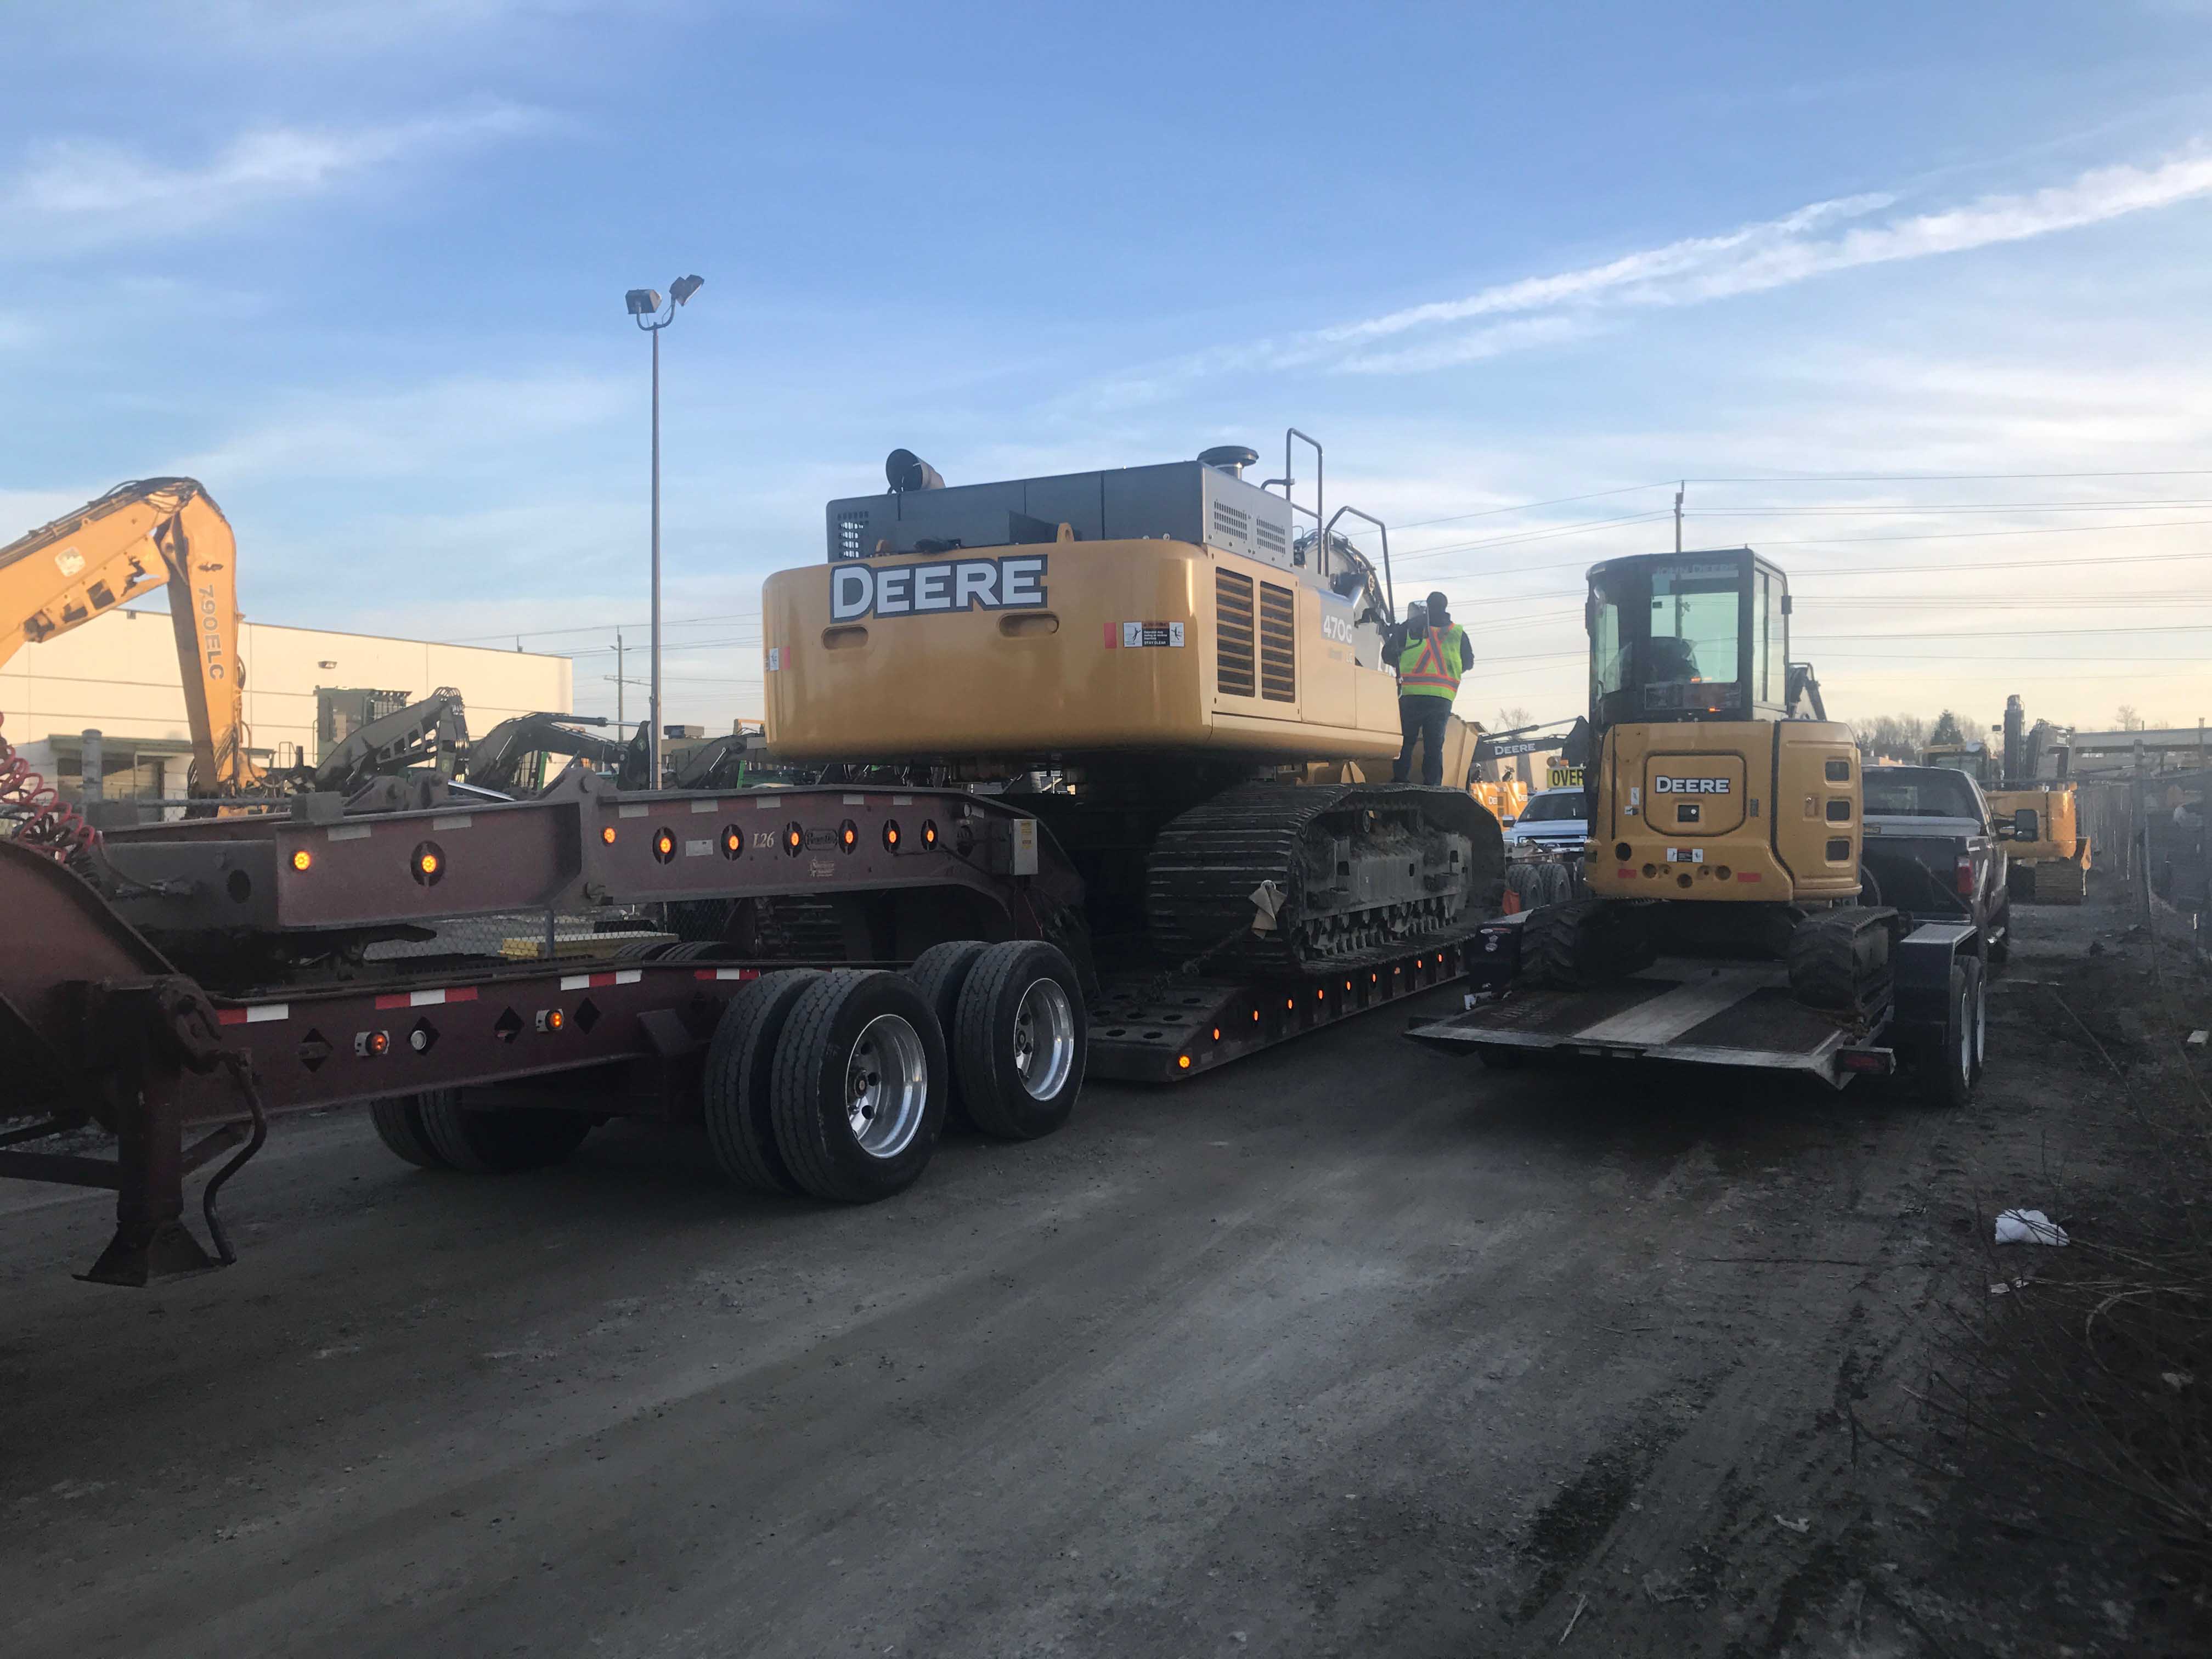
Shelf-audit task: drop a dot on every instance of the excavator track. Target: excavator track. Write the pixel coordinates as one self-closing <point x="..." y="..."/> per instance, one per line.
<point x="1838" y="959"/>
<point x="1585" y="942"/>
<point x="1363" y="873"/>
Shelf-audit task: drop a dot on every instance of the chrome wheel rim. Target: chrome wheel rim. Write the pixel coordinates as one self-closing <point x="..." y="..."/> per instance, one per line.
<point x="1967" y="1034"/>
<point x="886" y="1086"/>
<point x="1981" y="1023"/>
<point x="1044" y="1039"/>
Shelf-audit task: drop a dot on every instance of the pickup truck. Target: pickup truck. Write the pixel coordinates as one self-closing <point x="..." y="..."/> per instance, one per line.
<point x="1932" y="848"/>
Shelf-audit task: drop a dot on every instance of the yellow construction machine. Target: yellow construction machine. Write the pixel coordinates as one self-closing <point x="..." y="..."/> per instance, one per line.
<point x="1149" y="658"/>
<point x="1725" y="806"/>
<point x="2031" y="773"/>
<point x="139" y="535"/>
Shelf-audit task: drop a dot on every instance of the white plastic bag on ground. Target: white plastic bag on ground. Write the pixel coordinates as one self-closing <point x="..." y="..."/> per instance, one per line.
<point x="2029" y="1227"/>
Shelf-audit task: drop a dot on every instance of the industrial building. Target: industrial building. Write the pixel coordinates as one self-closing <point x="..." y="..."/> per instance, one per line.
<point x="305" y="689"/>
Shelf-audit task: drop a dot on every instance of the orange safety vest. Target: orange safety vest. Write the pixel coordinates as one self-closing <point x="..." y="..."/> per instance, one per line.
<point x="1433" y="668"/>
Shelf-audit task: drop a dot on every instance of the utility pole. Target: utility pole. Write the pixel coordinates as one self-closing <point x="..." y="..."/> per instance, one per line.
<point x="1678" y="491"/>
<point x="622" y="722"/>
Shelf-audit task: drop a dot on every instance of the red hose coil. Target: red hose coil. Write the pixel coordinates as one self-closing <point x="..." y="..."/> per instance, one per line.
<point x="32" y="813"/>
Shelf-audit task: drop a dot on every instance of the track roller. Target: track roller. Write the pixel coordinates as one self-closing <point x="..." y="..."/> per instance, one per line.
<point x="857" y="1096"/>
<point x="1021" y="1041"/>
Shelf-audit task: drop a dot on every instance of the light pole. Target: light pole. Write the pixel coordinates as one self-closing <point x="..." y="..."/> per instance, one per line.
<point x="645" y="309"/>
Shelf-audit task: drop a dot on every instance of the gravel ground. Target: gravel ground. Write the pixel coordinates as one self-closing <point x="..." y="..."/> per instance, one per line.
<point x="1352" y="1348"/>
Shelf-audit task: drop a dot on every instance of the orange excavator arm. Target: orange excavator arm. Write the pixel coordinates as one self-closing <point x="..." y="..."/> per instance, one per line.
<point x="137" y="537"/>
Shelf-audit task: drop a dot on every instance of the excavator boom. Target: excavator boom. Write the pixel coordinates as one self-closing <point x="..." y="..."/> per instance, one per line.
<point x="139" y="535"/>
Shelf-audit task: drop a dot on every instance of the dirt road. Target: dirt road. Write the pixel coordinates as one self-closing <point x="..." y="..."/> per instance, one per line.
<point x="1351" y="1349"/>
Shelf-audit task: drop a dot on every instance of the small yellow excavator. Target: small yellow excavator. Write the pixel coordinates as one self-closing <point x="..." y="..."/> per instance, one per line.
<point x="1725" y="803"/>
<point x="137" y="536"/>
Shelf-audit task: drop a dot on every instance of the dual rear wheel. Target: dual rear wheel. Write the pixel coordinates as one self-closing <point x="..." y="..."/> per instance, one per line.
<point x="836" y="1085"/>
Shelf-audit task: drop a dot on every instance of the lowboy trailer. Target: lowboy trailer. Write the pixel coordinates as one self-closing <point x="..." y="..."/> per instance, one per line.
<point x="201" y="977"/>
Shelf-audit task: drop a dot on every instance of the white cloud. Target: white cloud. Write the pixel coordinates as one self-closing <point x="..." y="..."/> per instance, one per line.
<point x="74" y="193"/>
<point x="424" y="430"/>
<point x="1769" y="255"/>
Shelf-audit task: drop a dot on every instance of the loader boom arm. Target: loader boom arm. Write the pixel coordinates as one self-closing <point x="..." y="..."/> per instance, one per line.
<point x="139" y="536"/>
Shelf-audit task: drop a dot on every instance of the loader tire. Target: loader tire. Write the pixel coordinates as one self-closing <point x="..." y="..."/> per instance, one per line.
<point x="939" y="974"/>
<point x="503" y="1142"/>
<point x="1021" y="1040"/>
<point x="858" y="1095"/>
<point x="740" y="1067"/>
<point x="1585" y="943"/>
<point x="398" y="1122"/>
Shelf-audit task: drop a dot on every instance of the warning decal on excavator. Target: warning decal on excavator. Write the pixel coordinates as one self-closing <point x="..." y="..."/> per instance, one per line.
<point x="1136" y="635"/>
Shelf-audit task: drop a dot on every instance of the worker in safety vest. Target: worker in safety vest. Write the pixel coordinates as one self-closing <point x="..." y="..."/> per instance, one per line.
<point x="1431" y="658"/>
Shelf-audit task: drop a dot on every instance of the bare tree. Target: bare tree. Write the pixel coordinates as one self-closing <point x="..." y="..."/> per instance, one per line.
<point x="2127" y="718"/>
<point x="1509" y="718"/>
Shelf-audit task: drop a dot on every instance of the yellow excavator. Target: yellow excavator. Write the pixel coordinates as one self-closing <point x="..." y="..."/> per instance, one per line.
<point x="1725" y="805"/>
<point x="2032" y="773"/>
<point x="140" y="535"/>
<point x="1150" y="658"/>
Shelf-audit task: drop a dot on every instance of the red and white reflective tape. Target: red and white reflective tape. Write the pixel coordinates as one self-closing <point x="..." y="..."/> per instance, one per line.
<point x="428" y="998"/>
<point x="725" y="973"/>
<point x="592" y="981"/>
<point x="256" y="1015"/>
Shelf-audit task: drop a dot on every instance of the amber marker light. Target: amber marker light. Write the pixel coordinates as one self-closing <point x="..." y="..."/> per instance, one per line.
<point x="891" y="834"/>
<point x="848" y="834"/>
<point x="427" y="862"/>
<point x="607" y="835"/>
<point x="302" y="859"/>
<point x="929" y="832"/>
<point x="1183" y="1061"/>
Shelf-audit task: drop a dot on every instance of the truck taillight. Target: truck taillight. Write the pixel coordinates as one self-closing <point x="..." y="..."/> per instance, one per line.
<point x="1963" y="877"/>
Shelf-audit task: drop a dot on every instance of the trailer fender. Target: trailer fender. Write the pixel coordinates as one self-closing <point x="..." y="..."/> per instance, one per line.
<point x="1922" y="962"/>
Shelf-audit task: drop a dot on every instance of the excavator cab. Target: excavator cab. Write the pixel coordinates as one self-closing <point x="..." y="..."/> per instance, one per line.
<point x="1688" y="636"/>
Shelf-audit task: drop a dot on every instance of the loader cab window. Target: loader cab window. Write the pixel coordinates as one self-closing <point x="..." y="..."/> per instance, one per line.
<point x="1668" y="639"/>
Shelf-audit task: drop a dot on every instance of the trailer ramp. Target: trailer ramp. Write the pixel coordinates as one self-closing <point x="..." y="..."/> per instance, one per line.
<point x="1685" y="1011"/>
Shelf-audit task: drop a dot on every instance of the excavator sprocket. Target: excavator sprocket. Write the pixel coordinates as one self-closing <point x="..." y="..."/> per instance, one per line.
<point x="1365" y="872"/>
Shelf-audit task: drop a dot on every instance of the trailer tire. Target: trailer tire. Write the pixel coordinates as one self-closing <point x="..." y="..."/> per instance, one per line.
<point x="398" y="1120"/>
<point x="505" y="1142"/>
<point x="1556" y="885"/>
<point x="1946" y="1066"/>
<point x="939" y="974"/>
<point x="740" y="1071"/>
<point x="1978" y="977"/>
<point x="1022" y="1040"/>
<point x="858" y="1094"/>
<point x="1522" y="881"/>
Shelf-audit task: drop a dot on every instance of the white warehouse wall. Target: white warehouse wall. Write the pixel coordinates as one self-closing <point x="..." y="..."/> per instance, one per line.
<point x="119" y="673"/>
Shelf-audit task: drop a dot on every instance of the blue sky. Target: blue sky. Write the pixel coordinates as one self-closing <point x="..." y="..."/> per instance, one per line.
<point x="359" y="266"/>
